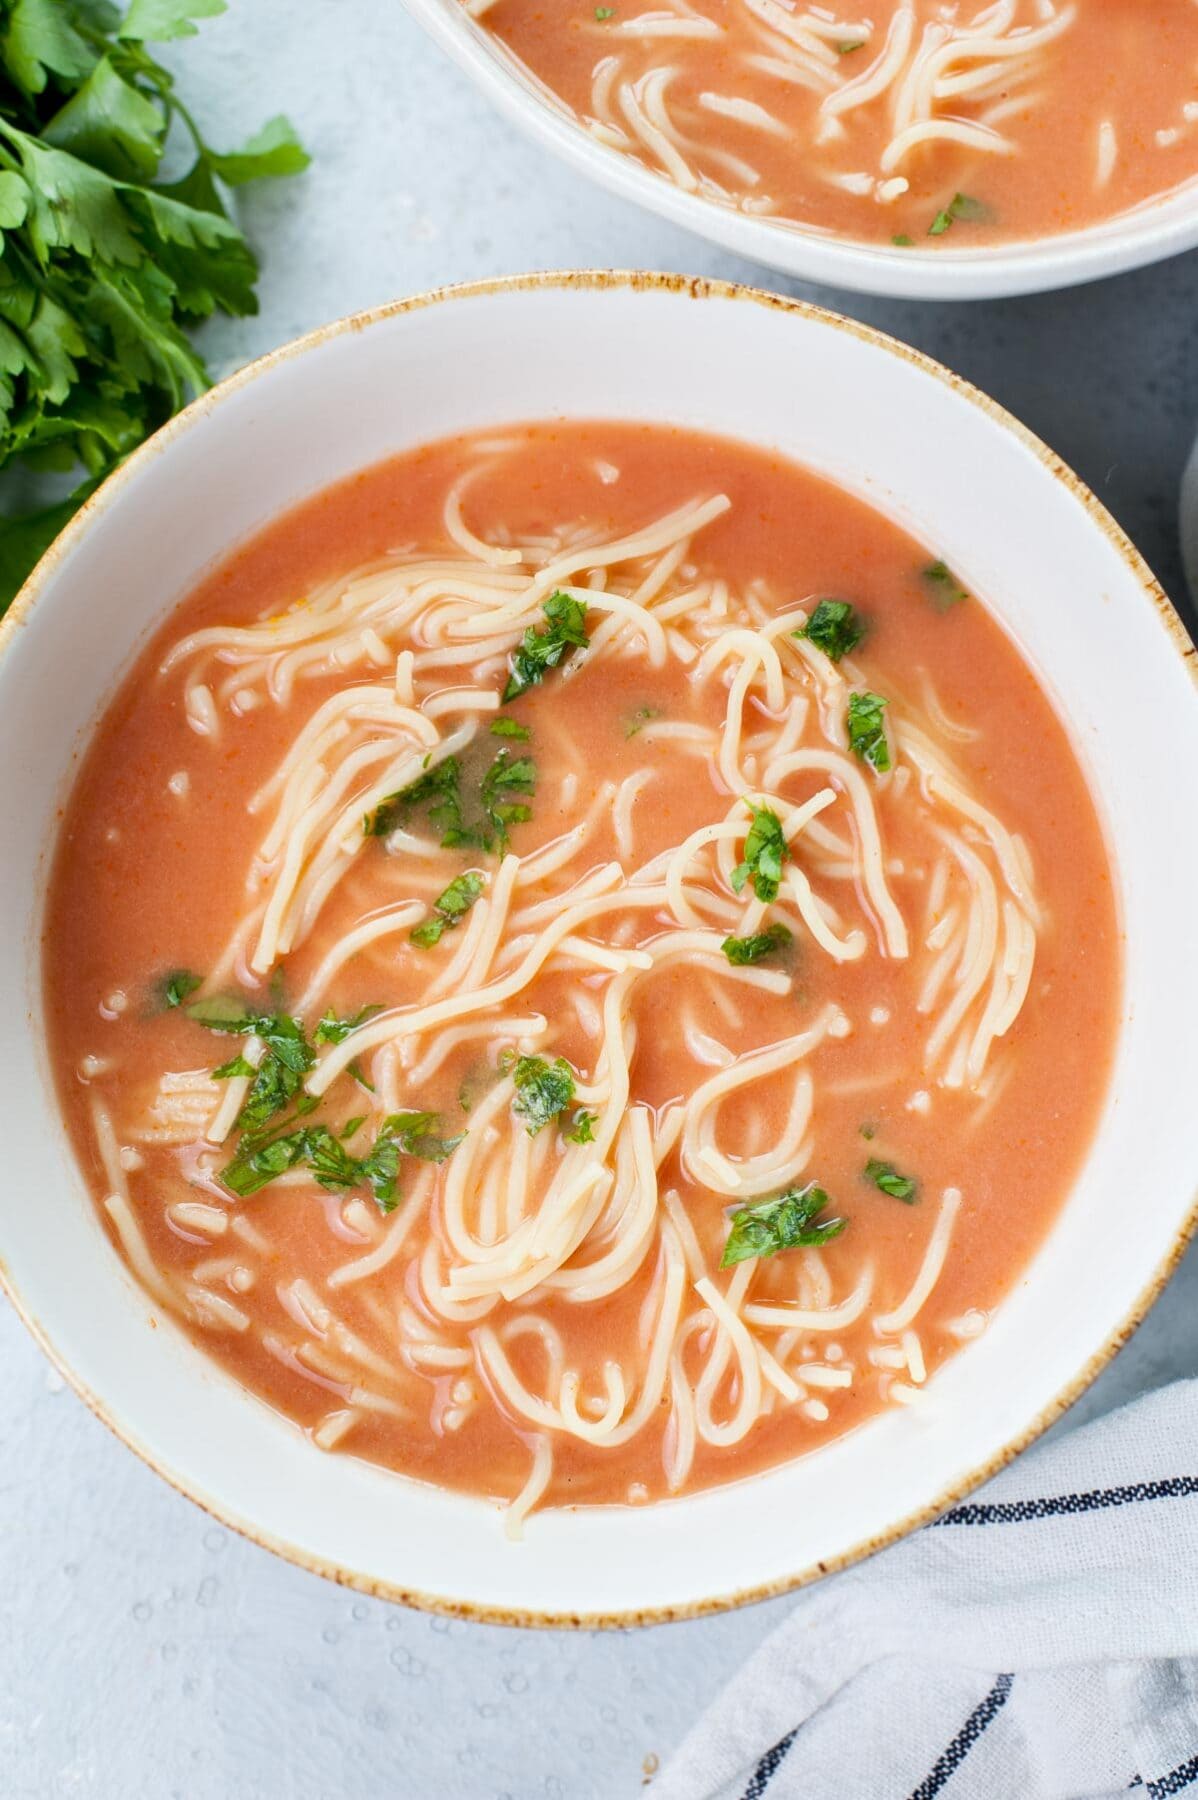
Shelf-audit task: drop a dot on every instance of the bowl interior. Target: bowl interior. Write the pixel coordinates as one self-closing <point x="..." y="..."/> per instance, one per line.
<point x="959" y="475"/>
<point x="1162" y="227"/>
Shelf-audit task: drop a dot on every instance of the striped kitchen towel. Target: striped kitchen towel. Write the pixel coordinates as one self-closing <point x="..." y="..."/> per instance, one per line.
<point x="1039" y="1642"/>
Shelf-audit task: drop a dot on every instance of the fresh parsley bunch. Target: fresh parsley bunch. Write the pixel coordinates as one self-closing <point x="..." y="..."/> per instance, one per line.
<point x="103" y="266"/>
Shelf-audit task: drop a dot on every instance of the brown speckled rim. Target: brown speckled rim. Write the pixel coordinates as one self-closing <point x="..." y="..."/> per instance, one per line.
<point x="696" y="289"/>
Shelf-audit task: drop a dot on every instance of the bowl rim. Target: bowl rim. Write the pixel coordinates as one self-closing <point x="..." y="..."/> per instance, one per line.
<point x="1160" y="227"/>
<point x="697" y="289"/>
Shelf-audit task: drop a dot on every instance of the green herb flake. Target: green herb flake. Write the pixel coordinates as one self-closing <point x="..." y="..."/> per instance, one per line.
<point x="765" y="852"/>
<point x="436" y="792"/>
<point x="332" y="1030"/>
<point x="885" y="1176"/>
<point x="867" y="730"/>
<point x="352" y="1126"/>
<point x="963" y="207"/>
<point x="603" y="13"/>
<point x="786" y="1221"/>
<point x="450" y="908"/>
<point x="542" y="650"/>
<point x="743" y="950"/>
<point x="869" y="1131"/>
<point x="582" y="1127"/>
<point x="640" y="718"/>
<point x="287" y="1056"/>
<point x="944" y="590"/>
<point x="176" y="987"/>
<point x="354" y="1070"/>
<point x="543" y="1090"/>
<point x="901" y="241"/>
<point x="834" y="628"/>
<point x="847" y="49"/>
<point x="509" y="728"/>
<point x="333" y="1167"/>
<point x="106" y="265"/>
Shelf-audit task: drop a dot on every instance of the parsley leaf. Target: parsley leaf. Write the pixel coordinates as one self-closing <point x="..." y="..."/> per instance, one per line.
<point x="944" y="590"/>
<point x="867" y="730"/>
<point x="502" y="780"/>
<point x="510" y="728"/>
<point x="543" y="650"/>
<point x="449" y="909"/>
<point x="439" y="793"/>
<point x="332" y="1166"/>
<point x="834" y="628"/>
<point x="436" y="792"/>
<point x="963" y="207"/>
<point x="543" y="1090"/>
<point x="104" y="265"/>
<point x="743" y="950"/>
<point x="784" y="1222"/>
<point x="175" y="987"/>
<point x="765" y="852"/>
<point x="582" y="1127"/>
<point x="332" y="1030"/>
<point x="287" y="1056"/>
<point x="884" y="1175"/>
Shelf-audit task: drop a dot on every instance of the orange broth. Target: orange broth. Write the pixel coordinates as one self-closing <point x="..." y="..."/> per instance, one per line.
<point x="145" y="880"/>
<point x="1120" y="62"/>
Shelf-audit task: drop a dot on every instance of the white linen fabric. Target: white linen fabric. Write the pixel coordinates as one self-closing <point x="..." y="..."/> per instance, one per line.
<point x="1039" y="1642"/>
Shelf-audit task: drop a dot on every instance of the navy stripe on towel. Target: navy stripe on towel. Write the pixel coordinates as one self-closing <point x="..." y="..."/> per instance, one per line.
<point x="1175" y="1781"/>
<point x="768" y="1767"/>
<point x="966" y="1738"/>
<point x="1056" y="1506"/>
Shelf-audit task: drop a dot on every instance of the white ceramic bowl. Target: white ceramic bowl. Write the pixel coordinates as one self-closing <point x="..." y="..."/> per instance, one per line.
<point x="1158" y="229"/>
<point x="939" y="458"/>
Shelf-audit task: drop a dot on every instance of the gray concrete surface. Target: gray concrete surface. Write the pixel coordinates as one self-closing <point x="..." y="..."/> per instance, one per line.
<point x="145" y="1651"/>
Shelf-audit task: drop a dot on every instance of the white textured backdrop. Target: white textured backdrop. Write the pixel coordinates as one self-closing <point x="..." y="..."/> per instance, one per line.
<point x="145" y="1651"/>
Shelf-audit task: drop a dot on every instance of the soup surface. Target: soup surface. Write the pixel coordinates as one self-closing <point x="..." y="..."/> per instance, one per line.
<point x="581" y="964"/>
<point x="907" y="121"/>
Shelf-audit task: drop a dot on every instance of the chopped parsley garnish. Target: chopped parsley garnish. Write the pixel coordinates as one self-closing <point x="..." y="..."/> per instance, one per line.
<point x="449" y="909"/>
<point x="542" y="650"/>
<point x="582" y="1127"/>
<point x="502" y="780"/>
<point x="640" y="718"/>
<point x="323" y="1153"/>
<point x="944" y="590"/>
<point x="354" y="1070"/>
<point x="438" y="793"/>
<point x="176" y="987"/>
<point x="884" y="1175"/>
<point x="332" y="1030"/>
<point x="847" y="49"/>
<point x="765" y="852"/>
<point x="869" y="1131"/>
<point x="352" y="1125"/>
<point x="543" y="1090"/>
<point x="510" y="728"/>
<point x="963" y="207"/>
<point x="786" y="1221"/>
<point x="287" y="1056"/>
<point x="742" y="950"/>
<point x="833" y="628"/>
<point x="603" y="13"/>
<point x="867" y="729"/>
<point x="901" y="240"/>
